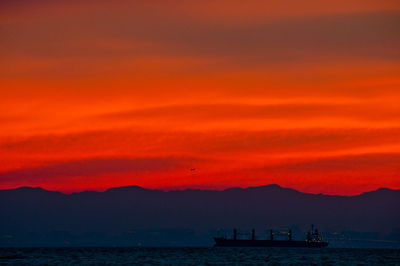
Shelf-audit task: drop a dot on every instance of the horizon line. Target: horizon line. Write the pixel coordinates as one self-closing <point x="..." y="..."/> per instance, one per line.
<point x="197" y="189"/>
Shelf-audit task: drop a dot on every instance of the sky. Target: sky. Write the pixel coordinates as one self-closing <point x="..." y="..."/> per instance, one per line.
<point x="99" y="94"/>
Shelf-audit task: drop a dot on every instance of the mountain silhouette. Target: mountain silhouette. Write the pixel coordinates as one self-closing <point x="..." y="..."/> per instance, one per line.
<point x="132" y="214"/>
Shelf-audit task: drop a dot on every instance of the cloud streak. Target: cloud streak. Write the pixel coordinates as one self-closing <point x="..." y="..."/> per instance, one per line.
<point x="92" y="167"/>
<point x="357" y="35"/>
<point x="198" y="112"/>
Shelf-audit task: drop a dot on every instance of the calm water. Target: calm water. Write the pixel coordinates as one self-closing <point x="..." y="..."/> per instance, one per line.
<point x="197" y="256"/>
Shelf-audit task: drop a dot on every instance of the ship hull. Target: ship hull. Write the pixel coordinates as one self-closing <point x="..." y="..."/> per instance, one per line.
<point x="223" y="242"/>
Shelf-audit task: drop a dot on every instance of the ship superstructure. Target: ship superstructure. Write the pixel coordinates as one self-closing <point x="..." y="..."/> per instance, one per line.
<point x="313" y="240"/>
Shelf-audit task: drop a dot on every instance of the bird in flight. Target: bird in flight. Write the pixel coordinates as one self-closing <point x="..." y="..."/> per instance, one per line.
<point x="192" y="169"/>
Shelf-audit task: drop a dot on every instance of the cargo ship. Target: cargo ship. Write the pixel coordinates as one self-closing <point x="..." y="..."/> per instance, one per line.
<point x="313" y="240"/>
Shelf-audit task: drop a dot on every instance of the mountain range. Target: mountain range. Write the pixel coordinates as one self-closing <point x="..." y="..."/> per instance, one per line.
<point x="134" y="215"/>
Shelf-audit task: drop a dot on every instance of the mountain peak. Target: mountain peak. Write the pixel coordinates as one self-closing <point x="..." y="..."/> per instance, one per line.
<point x="127" y="188"/>
<point x="270" y="187"/>
<point x="381" y="191"/>
<point x="30" y="188"/>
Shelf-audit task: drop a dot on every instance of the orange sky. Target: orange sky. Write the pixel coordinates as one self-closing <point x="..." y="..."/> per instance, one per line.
<point x="304" y="94"/>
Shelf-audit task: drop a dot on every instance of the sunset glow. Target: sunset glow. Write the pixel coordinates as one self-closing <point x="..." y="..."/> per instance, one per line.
<point x="99" y="94"/>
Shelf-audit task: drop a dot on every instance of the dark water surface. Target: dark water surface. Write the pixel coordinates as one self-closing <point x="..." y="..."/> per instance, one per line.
<point x="197" y="256"/>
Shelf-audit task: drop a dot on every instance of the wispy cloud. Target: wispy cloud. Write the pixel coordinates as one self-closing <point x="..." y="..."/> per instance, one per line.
<point x="196" y="113"/>
<point x="330" y="37"/>
<point x="92" y="167"/>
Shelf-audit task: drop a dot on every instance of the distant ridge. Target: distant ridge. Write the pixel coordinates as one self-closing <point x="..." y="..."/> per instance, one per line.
<point x="270" y="187"/>
<point x="35" y="216"/>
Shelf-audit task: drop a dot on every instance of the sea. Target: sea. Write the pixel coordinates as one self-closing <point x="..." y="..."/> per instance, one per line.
<point x="197" y="256"/>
